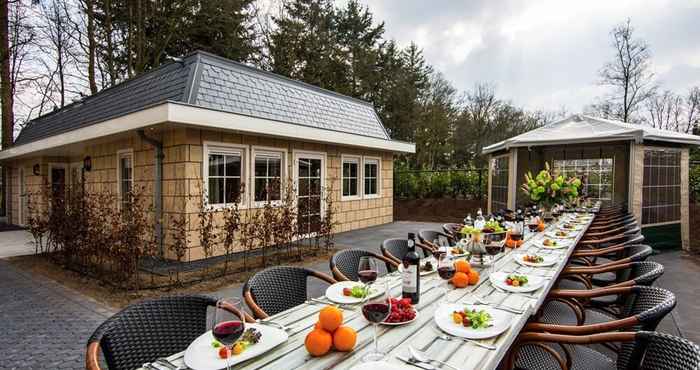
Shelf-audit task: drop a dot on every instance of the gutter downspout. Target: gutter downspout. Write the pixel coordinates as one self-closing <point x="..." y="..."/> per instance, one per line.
<point x="157" y="188"/>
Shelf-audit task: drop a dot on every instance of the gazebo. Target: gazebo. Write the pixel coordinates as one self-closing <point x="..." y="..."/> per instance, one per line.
<point x="640" y="166"/>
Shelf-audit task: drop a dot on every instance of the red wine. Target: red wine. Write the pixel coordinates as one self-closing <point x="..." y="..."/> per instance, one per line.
<point x="410" y="286"/>
<point x="446" y="272"/>
<point x="228" y="332"/>
<point x="367" y="276"/>
<point x="493" y="249"/>
<point x="533" y="227"/>
<point x="375" y="312"/>
<point x="516" y="236"/>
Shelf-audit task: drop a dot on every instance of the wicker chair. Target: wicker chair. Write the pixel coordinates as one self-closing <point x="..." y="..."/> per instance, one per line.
<point x="279" y="288"/>
<point x="452" y="229"/>
<point x="344" y="263"/>
<point x="642" y="350"/>
<point x="428" y="237"/>
<point x="396" y="249"/>
<point x="145" y="331"/>
<point x="642" y="309"/>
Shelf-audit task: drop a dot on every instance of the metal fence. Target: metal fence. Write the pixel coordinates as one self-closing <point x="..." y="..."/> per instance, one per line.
<point x="468" y="183"/>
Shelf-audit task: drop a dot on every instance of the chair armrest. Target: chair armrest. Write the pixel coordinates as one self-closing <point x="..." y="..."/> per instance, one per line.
<point x="598" y="252"/>
<point x="583" y="329"/>
<point x="597" y="269"/>
<point x="92" y="356"/>
<point x="325" y="277"/>
<point x="588" y="293"/>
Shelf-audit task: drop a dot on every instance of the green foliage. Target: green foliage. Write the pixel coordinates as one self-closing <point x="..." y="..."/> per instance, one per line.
<point x="694" y="182"/>
<point x="439" y="184"/>
<point x="549" y="187"/>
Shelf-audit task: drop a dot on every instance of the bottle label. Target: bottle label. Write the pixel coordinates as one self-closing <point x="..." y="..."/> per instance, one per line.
<point x="411" y="243"/>
<point x="410" y="279"/>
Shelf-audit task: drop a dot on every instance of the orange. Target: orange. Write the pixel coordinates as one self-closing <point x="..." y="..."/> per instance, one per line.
<point x="460" y="280"/>
<point x="344" y="338"/>
<point x="540" y="227"/>
<point x="510" y="243"/>
<point x="318" y="342"/>
<point x="462" y="266"/>
<point x="473" y="277"/>
<point x="318" y="325"/>
<point x="330" y="318"/>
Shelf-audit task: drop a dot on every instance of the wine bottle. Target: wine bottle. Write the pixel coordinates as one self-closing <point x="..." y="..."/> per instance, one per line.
<point x="411" y="271"/>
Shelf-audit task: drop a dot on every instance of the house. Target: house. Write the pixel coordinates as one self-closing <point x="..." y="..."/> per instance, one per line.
<point x="208" y="122"/>
<point x="643" y="167"/>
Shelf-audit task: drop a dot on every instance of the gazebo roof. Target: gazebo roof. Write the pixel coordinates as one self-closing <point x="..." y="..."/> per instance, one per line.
<point x="580" y="128"/>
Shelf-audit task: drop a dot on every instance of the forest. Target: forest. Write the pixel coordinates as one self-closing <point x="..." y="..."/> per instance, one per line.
<point x="56" y="52"/>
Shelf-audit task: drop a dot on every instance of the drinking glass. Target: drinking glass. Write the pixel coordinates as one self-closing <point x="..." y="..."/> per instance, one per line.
<point x="228" y="324"/>
<point x="376" y="310"/>
<point x="367" y="271"/>
<point x="446" y="270"/>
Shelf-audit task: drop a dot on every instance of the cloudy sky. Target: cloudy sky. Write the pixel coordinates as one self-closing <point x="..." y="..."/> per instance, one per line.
<point x="544" y="53"/>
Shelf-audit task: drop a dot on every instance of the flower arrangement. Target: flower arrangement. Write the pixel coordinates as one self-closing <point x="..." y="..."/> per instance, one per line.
<point x="549" y="188"/>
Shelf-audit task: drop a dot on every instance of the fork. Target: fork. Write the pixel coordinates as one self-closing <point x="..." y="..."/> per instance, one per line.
<point x="445" y="337"/>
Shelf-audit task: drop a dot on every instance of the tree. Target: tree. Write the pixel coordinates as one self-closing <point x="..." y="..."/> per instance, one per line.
<point x="628" y="74"/>
<point x="6" y="83"/>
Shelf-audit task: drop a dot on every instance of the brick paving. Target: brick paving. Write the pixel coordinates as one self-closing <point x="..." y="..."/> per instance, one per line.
<point x="43" y="324"/>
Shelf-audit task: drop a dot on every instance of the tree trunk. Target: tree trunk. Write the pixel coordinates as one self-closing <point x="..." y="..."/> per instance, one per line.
<point x="8" y="118"/>
<point x="92" y="44"/>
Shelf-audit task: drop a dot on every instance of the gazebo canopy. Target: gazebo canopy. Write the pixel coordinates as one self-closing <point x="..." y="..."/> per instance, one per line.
<point x="580" y="128"/>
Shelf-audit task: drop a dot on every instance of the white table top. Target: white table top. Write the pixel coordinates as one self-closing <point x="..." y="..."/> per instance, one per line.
<point x="422" y="333"/>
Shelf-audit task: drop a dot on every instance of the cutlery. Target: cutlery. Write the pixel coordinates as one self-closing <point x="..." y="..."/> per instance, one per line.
<point x="165" y="362"/>
<point x="416" y="364"/>
<point x="423" y="358"/>
<point x="482" y="302"/>
<point x="277" y="325"/>
<point x="443" y="336"/>
<point x="324" y="302"/>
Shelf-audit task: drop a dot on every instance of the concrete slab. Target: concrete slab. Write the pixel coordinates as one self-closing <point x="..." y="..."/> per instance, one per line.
<point x="16" y="243"/>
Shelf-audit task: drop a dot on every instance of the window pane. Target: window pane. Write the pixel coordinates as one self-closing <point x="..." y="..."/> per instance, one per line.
<point x="126" y="168"/>
<point x="274" y="191"/>
<point x="304" y="167"/>
<point x="233" y="165"/>
<point x="661" y="186"/>
<point x="260" y="190"/>
<point x="303" y="187"/>
<point x="346" y="169"/>
<point x="316" y="167"/>
<point x="353" y="169"/>
<point x="346" y="187"/>
<point x="353" y="187"/>
<point x="260" y="166"/>
<point x="216" y="190"/>
<point x="216" y="165"/>
<point x="275" y="167"/>
<point x="233" y="186"/>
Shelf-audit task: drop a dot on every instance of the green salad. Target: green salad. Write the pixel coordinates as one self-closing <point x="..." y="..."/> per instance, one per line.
<point x="472" y="318"/>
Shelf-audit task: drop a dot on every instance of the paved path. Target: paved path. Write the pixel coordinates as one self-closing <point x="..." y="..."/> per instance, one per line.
<point x="43" y="324"/>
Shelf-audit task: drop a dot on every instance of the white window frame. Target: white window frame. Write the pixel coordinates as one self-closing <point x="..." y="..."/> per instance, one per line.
<point x="211" y="147"/>
<point x="378" y="161"/>
<point x="282" y="152"/>
<point x="357" y="159"/>
<point x="120" y="154"/>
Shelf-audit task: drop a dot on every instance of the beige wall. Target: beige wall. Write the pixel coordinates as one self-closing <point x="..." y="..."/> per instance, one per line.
<point x="182" y="175"/>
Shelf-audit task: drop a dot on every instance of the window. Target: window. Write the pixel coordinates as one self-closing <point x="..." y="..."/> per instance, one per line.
<point x="351" y="175"/>
<point x="125" y="176"/>
<point x="596" y="175"/>
<point x="371" y="177"/>
<point x="661" y="187"/>
<point x="225" y="174"/>
<point x="268" y="176"/>
<point x="499" y="183"/>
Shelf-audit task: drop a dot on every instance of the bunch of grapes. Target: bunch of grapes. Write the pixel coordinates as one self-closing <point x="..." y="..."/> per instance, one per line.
<point x="401" y="311"/>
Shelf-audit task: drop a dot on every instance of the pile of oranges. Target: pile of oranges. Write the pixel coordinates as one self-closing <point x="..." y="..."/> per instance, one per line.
<point x="329" y="333"/>
<point x="465" y="275"/>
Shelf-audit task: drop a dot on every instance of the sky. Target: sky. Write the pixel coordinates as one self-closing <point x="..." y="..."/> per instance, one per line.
<point x="544" y="54"/>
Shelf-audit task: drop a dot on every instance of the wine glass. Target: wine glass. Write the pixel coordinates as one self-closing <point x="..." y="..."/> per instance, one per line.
<point x="376" y="310"/>
<point x="446" y="270"/>
<point x="367" y="271"/>
<point x="228" y="325"/>
<point x="493" y="248"/>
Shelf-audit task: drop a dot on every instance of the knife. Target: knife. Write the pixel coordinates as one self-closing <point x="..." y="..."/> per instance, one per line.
<point x="421" y="365"/>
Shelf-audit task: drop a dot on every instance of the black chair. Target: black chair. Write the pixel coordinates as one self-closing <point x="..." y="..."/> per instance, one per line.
<point x="279" y="288"/>
<point x="395" y="249"/>
<point x="452" y="229"/>
<point x="145" y="331"/>
<point x="641" y="350"/>
<point x="344" y="263"/>
<point x="626" y="274"/>
<point x="428" y="238"/>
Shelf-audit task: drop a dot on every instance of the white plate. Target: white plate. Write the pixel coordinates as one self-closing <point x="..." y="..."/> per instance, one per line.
<point x="553" y="235"/>
<point x="373" y="365"/>
<point x="561" y="243"/>
<point x="576" y="227"/>
<point x="422" y="273"/>
<point x="335" y="292"/>
<point x="549" y="260"/>
<point x="533" y="282"/>
<point x="401" y="323"/>
<point x="500" y="319"/>
<point x="200" y="355"/>
<point x="449" y="250"/>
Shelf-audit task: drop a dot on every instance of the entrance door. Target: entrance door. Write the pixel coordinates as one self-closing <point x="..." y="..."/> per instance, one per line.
<point x="309" y="173"/>
<point x="22" y="198"/>
<point x="58" y="175"/>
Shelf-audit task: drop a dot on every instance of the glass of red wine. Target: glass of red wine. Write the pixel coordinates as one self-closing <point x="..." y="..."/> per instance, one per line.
<point x="229" y="324"/>
<point x="446" y="270"/>
<point x="367" y="271"/>
<point x="376" y="310"/>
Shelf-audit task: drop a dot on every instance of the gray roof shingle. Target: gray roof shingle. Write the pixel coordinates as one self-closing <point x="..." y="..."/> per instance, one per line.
<point x="212" y="82"/>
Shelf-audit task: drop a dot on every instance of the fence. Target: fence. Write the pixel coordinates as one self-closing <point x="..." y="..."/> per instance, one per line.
<point x="456" y="183"/>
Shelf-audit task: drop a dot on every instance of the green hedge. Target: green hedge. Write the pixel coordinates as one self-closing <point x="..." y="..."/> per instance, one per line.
<point x="465" y="184"/>
<point x="694" y="180"/>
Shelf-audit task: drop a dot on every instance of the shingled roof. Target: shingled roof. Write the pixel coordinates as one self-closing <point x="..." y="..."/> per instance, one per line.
<point x="208" y="81"/>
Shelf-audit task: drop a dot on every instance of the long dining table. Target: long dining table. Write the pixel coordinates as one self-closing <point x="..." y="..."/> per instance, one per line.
<point x="423" y="333"/>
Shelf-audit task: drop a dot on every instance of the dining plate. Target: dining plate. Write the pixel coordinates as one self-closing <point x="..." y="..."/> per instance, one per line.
<point x="335" y="292"/>
<point x="501" y="321"/>
<point x="499" y="280"/>
<point x="422" y="273"/>
<point x="561" y="243"/>
<point x="553" y="234"/>
<point x="201" y="355"/>
<point x="401" y="323"/>
<point x="549" y="260"/>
